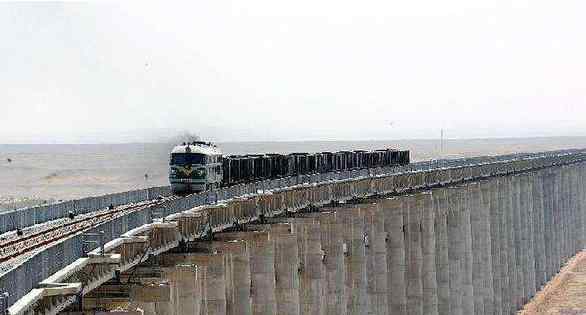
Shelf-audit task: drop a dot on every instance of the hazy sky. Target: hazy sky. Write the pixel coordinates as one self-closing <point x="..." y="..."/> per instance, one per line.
<point x="291" y="70"/>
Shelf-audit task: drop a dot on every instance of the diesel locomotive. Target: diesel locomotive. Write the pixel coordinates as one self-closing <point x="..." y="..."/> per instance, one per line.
<point x="199" y="166"/>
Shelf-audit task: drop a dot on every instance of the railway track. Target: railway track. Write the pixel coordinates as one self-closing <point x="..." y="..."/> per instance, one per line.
<point x="16" y="246"/>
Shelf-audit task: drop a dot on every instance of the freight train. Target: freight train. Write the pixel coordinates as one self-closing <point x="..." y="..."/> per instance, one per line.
<point x="199" y="166"/>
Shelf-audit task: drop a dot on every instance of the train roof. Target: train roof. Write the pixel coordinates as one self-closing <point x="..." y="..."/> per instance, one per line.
<point x="206" y="149"/>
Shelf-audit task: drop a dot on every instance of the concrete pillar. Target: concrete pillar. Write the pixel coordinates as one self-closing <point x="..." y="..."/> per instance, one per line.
<point x="455" y="248"/>
<point x="549" y="222"/>
<point x="567" y="198"/>
<point x="581" y="206"/>
<point x="570" y="213"/>
<point x="262" y="269"/>
<point x="567" y="203"/>
<point x="538" y="231"/>
<point x="571" y="203"/>
<point x="529" y="219"/>
<point x="376" y="253"/>
<point x="509" y="209"/>
<point x="154" y="298"/>
<point x="563" y="206"/>
<point x="574" y="238"/>
<point x="527" y="249"/>
<point x="215" y="284"/>
<point x="440" y="204"/>
<point x="393" y="209"/>
<point x="467" y="284"/>
<point x="560" y="200"/>
<point x="542" y="190"/>
<point x="188" y="290"/>
<point x="414" y="254"/>
<point x="582" y="182"/>
<point x="576" y="215"/>
<point x="332" y="230"/>
<point x="168" y="306"/>
<point x="214" y="280"/>
<point x="582" y="202"/>
<point x="355" y="260"/>
<point x="557" y="218"/>
<point x="495" y="215"/>
<point x="486" y="245"/>
<point x="574" y="218"/>
<point x="474" y="206"/>
<point x="369" y="235"/>
<point x="237" y="260"/>
<point x="286" y="269"/>
<point x="519" y="267"/>
<point x="237" y="271"/>
<point x="312" y="278"/>
<point x="506" y="244"/>
<point x="165" y="307"/>
<point x="430" y="287"/>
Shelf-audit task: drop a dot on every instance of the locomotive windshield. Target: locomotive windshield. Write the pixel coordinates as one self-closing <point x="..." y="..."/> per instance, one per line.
<point x="187" y="158"/>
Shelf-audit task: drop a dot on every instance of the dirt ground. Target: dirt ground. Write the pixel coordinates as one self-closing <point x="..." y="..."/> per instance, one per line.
<point x="565" y="294"/>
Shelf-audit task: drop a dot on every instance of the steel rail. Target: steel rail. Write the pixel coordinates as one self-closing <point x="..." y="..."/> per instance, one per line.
<point x="16" y="247"/>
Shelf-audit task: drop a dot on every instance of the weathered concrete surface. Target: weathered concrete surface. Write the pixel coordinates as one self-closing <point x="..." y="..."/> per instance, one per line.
<point x="376" y="252"/>
<point x="312" y="273"/>
<point x="478" y="261"/>
<point x="237" y="263"/>
<point x="456" y="248"/>
<point x="214" y="296"/>
<point x="395" y="228"/>
<point x="414" y="256"/>
<point x="262" y="270"/>
<point x="355" y="261"/>
<point x="539" y="230"/>
<point x="440" y="204"/>
<point x="332" y="231"/>
<point x="486" y="264"/>
<point x="479" y="247"/>
<point x="429" y="276"/>
<point x="286" y="269"/>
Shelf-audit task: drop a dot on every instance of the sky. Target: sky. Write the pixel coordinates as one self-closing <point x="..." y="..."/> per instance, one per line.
<point x="264" y="70"/>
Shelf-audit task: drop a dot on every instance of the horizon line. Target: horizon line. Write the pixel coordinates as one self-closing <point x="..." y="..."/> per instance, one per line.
<point x="305" y="140"/>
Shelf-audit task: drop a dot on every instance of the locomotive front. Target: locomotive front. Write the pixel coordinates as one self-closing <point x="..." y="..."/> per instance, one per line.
<point x="195" y="167"/>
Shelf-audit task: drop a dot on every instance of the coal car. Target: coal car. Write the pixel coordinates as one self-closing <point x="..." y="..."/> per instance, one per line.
<point x="199" y="166"/>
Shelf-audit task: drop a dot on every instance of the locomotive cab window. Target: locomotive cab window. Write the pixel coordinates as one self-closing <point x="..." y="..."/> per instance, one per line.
<point x="187" y="158"/>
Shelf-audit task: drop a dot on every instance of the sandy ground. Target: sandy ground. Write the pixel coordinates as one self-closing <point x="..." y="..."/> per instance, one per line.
<point x="565" y="294"/>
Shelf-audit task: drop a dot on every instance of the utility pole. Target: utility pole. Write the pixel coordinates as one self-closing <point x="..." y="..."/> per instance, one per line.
<point x="442" y="143"/>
